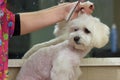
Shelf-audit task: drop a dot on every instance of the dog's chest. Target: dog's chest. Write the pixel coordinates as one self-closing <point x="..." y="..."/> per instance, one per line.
<point x="70" y="56"/>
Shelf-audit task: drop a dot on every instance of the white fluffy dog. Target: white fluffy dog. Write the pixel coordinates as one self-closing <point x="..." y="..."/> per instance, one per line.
<point x="62" y="61"/>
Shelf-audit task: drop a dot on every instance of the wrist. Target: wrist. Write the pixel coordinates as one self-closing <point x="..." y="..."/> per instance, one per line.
<point x="63" y="10"/>
<point x="61" y="14"/>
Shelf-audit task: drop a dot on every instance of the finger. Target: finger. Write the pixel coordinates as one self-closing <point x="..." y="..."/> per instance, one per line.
<point x="87" y="7"/>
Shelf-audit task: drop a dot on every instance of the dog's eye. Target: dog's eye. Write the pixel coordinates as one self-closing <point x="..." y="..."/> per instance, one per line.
<point x="86" y="30"/>
<point x="76" y="29"/>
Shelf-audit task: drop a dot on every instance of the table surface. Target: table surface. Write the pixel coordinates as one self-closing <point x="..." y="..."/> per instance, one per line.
<point x="84" y="62"/>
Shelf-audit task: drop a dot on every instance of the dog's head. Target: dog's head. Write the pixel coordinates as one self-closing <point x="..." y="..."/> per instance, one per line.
<point x="87" y="32"/>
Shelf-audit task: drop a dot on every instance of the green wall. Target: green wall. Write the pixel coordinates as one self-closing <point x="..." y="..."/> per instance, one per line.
<point x="46" y="33"/>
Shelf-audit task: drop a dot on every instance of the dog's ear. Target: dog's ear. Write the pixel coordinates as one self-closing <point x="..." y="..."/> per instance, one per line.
<point x="101" y="35"/>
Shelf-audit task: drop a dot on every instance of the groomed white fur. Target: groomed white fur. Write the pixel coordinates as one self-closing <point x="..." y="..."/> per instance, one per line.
<point x="62" y="61"/>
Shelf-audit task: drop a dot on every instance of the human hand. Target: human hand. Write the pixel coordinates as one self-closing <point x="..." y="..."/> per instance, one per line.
<point x="83" y="7"/>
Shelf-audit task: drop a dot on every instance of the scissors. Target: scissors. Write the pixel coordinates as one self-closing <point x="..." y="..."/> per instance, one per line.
<point x="72" y="10"/>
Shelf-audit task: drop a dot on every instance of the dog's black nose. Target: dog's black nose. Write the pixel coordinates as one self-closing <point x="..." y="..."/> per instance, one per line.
<point x="76" y="38"/>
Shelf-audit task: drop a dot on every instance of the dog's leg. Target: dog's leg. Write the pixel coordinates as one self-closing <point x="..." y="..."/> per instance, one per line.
<point x="65" y="73"/>
<point x="64" y="69"/>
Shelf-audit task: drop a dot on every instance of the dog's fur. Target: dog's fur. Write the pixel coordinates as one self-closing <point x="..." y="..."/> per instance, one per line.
<point x="62" y="61"/>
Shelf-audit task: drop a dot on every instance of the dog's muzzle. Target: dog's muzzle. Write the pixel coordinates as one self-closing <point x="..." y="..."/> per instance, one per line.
<point x="76" y="39"/>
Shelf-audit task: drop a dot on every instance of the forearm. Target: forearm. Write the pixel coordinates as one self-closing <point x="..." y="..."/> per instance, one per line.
<point x="32" y="21"/>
